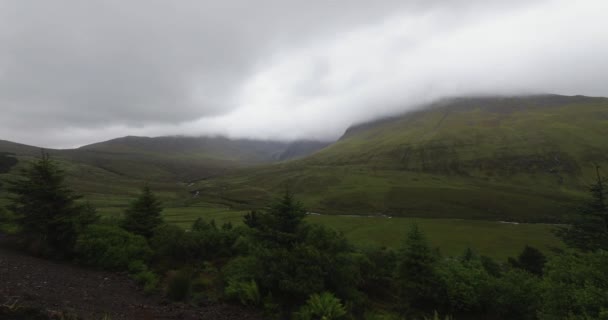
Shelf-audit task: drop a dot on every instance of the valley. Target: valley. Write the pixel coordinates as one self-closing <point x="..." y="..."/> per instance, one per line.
<point x="468" y="162"/>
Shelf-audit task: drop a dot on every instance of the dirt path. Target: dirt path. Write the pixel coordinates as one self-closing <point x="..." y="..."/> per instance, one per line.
<point x="91" y="294"/>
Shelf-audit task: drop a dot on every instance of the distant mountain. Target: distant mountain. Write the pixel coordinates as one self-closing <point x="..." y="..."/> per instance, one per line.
<point x="209" y="152"/>
<point x="302" y="148"/>
<point x="523" y="158"/>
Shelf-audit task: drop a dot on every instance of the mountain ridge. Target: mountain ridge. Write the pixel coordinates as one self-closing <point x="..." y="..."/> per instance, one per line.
<point x="508" y="158"/>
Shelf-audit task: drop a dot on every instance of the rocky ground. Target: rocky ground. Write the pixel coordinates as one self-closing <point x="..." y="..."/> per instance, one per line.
<point x="33" y="288"/>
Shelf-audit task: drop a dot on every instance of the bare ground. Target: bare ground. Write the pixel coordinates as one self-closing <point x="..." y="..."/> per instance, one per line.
<point x="60" y="288"/>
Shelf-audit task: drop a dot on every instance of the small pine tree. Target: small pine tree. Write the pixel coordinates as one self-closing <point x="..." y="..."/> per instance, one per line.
<point x="589" y="232"/>
<point x="531" y="260"/>
<point x="143" y="216"/>
<point x="280" y="223"/>
<point x="416" y="277"/>
<point x="48" y="213"/>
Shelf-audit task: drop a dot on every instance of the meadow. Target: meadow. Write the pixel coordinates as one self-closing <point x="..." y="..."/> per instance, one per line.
<point x="451" y="236"/>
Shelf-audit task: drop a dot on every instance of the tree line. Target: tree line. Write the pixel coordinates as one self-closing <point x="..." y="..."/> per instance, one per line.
<point x="280" y="264"/>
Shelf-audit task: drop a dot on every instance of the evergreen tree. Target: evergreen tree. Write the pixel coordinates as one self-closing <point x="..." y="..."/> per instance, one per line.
<point x="531" y="260"/>
<point x="143" y="216"/>
<point x="294" y="259"/>
<point x="49" y="216"/>
<point x="279" y="225"/>
<point x="416" y="276"/>
<point x="589" y="231"/>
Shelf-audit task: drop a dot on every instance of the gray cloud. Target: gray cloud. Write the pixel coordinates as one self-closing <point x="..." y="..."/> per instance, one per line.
<point x="74" y="72"/>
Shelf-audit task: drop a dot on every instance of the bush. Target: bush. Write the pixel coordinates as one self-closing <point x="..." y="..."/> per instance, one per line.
<point x="377" y="271"/>
<point x="174" y="247"/>
<point x="465" y="284"/>
<point x="207" y="285"/>
<point x="148" y="279"/>
<point x="516" y="295"/>
<point x="531" y="260"/>
<point x="575" y="287"/>
<point x="8" y="222"/>
<point x="246" y="292"/>
<point x="241" y="269"/>
<point x="110" y="247"/>
<point x="180" y="285"/>
<point x="380" y="316"/>
<point x="322" y="306"/>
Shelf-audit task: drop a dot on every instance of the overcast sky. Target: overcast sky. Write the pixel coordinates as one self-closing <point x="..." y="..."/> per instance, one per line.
<point x="76" y="72"/>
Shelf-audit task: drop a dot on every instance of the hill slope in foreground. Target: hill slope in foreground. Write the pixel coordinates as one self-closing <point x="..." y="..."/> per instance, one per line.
<point x="497" y="158"/>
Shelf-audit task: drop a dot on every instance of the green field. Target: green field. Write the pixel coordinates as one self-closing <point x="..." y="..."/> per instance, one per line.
<point x="451" y="236"/>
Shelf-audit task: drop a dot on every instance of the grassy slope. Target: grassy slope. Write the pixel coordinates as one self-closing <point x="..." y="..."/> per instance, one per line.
<point x="111" y="172"/>
<point x="525" y="159"/>
<point x="452" y="236"/>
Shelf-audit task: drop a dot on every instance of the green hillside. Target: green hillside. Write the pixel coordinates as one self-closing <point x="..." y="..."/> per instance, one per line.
<point x="499" y="158"/>
<point x="111" y="173"/>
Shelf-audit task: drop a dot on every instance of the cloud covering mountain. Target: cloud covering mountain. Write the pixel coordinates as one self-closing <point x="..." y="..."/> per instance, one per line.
<point x="74" y="72"/>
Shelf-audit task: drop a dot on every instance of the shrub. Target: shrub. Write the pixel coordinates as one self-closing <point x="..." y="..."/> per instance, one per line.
<point x="377" y="272"/>
<point x="465" y="283"/>
<point x="322" y="306"/>
<point x="380" y="316"/>
<point x="173" y="247"/>
<point x="575" y="287"/>
<point x="180" y="285"/>
<point x="207" y="285"/>
<point x="516" y="295"/>
<point x="246" y="292"/>
<point x="110" y="247"/>
<point x="8" y="222"/>
<point x="531" y="260"/>
<point x="241" y="269"/>
<point x="148" y="279"/>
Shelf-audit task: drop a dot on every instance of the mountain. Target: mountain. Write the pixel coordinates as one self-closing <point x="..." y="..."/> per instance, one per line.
<point x="301" y="149"/>
<point x="108" y="171"/>
<point x="524" y="158"/>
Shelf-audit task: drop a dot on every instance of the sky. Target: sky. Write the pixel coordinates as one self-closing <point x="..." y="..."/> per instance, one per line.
<point x="74" y="72"/>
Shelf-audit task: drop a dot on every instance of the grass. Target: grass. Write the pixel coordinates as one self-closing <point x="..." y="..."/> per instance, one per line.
<point x="518" y="159"/>
<point x="522" y="159"/>
<point x="451" y="236"/>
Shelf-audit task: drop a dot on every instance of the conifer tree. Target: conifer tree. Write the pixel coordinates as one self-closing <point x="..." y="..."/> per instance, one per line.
<point x="48" y="214"/>
<point x="531" y="260"/>
<point x="416" y="276"/>
<point x="280" y="223"/>
<point x="589" y="231"/>
<point x="143" y="216"/>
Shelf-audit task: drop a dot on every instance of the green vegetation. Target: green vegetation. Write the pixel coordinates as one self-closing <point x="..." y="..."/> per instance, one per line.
<point x="513" y="159"/>
<point x="278" y="261"/>
<point x="144" y="214"/>
<point x="111" y="248"/>
<point x="589" y="230"/>
<point x="449" y="175"/>
<point x="322" y="306"/>
<point x="47" y="213"/>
